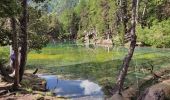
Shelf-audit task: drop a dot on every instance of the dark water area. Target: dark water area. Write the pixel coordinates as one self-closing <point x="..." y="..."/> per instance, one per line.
<point x="74" y="89"/>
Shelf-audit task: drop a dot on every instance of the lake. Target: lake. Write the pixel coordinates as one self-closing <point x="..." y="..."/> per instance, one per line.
<point x="98" y="64"/>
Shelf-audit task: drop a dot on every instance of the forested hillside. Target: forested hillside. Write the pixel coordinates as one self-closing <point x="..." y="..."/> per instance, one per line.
<point x="98" y="20"/>
<point x="76" y="18"/>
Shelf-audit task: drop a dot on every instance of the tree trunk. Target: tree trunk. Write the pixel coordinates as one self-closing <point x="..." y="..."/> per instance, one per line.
<point x="127" y="59"/>
<point x="23" y="25"/>
<point x="143" y="14"/>
<point x="137" y="9"/>
<point x="15" y="47"/>
<point x="123" y="18"/>
<point x="124" y="15"/>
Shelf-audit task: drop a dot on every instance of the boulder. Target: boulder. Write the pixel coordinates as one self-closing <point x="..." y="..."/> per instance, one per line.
<point x="160" y="91"/>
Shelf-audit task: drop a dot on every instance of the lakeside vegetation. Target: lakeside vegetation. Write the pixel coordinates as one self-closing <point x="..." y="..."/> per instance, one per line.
<point x="72" y="19"/>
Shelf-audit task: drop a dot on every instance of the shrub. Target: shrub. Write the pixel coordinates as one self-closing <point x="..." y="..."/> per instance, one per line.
<point x="158" y="35"/>
<point x="3" y="55"/>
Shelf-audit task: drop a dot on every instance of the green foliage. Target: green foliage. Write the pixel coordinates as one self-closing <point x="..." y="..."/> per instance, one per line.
<point x="5" y="36"/>
<point x="70" y="22"/>
<point x="37" y="42"/>
<point x="157" y="35"/>
<point x="37" y="30"/>
<point x="65" y="18"/>
<point x="96" y="14"/>
<point x="9" y="8"/>
<point x="80" y="16"/>
<point x="70" y="19"/>
<point x="3" y="55"/>
<point x="156" y="10"/>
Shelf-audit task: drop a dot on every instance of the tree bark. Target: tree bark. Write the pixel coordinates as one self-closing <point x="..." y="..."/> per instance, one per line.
<point x="127" y="59"/>
<point x="124" y="15"/>
<point x="137" y="9"/>
<point x="23" y="26"/>
<point x="15" y="47"/>
<point x="143" y="14"/>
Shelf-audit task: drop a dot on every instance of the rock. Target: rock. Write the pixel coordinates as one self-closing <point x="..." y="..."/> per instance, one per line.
<point x="159" y="91"/>
<point x="155" y="95"/>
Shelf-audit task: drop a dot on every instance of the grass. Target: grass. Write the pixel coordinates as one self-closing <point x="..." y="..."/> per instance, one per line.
<point x="96" y="64"/>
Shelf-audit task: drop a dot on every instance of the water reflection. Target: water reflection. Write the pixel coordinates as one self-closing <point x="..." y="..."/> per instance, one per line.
<point x="74" y="89"/>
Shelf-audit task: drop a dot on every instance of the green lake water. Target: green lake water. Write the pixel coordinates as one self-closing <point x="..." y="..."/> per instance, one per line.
<point x="99" y="64"/>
